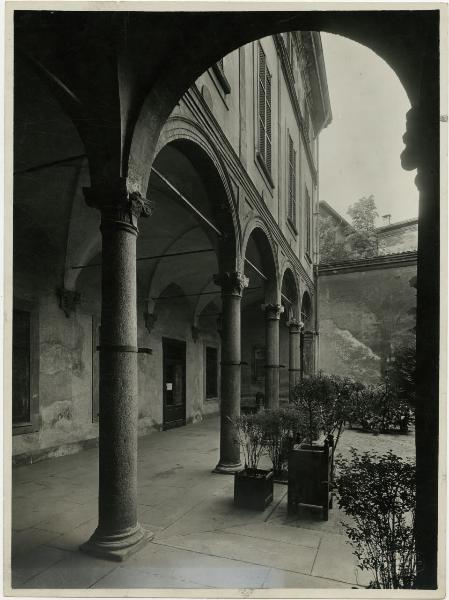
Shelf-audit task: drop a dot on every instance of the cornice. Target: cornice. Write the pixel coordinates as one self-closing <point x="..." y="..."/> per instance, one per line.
<point x="289" y="79"/>
<point x="387" y="261"/>
<point x="204" y="117"/>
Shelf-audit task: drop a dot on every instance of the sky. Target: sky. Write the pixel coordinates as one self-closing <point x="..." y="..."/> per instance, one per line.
<point x="360" y="150"/>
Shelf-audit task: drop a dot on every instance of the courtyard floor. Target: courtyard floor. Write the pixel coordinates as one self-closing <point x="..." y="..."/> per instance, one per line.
<point x="201" y="540"/>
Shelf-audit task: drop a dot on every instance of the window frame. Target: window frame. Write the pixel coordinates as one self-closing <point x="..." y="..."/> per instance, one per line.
<point x="292" y="188"/>
<point x="264" y="142"/>
<point x="308" y="221"/>
<point x="33" y="424"/>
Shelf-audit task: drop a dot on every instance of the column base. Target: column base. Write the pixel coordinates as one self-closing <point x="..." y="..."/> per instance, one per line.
<point x="117" y="546"/>
<point x="228" y="468"/>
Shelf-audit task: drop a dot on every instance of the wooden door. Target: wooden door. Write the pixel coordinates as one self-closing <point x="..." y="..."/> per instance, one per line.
<point x="174" y="383"/>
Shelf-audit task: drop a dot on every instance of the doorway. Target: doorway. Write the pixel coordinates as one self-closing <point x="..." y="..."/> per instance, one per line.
<point x="174" y="383"/>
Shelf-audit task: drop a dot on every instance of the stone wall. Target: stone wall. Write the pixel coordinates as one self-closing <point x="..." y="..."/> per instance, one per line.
<point x="366" y="311"/>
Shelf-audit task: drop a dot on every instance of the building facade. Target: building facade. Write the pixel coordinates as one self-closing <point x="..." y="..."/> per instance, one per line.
<point x="234" y="181"/>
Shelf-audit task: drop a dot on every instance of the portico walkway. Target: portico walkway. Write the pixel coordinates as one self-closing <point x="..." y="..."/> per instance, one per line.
<point x="201" y="540"/>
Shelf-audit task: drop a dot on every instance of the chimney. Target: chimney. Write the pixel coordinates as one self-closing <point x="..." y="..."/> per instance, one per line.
<point x="386" y="219"/>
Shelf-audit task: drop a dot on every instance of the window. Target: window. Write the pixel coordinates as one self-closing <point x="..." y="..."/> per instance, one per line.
<point x="25" y="368"/>
<point x="211" y="373"/>
<point x="291" y="212"/>
<point x="264" y="111"/>
<point x="308" y="223"/>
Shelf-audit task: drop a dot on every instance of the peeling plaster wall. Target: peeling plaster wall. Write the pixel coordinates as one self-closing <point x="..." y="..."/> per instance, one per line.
<point x="67" y="373"/>
<point x="365" y="315"/>
<point x="65" y="382"/>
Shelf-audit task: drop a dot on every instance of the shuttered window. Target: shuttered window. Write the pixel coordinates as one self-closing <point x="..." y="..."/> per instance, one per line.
<point x="308" y="223"/>
<point x="291" y="213"/>
<point x="264" y="110"/>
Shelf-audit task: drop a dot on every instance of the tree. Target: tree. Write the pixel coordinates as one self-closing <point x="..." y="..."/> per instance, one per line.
<point x="359" y="240"/>
<point x="363" y="214"/>
<point x="363" y="239"/>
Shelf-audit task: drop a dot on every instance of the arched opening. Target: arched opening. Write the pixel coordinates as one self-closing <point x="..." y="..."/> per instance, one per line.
<point x="163" y="81"/>
<point x="307" y="336"/>
<point x="190" y="237"/>
<point x="263" y="292"/>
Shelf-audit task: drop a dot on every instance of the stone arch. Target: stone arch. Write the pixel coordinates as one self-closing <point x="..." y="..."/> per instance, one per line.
<point x="376" y="31"/>
<point x="307" y="312"/>
<point x="186" y="135"/>
<point x="257" y="233"/>
<point x="290" y="293"/>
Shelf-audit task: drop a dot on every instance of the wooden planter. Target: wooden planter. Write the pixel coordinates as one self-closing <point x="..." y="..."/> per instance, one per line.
<point x="253" y="488"/>
<point x="309" y="477"/>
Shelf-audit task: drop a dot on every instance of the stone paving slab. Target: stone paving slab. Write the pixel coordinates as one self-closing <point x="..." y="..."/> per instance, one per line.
<point x="288" y="535"/>
<point x="74" y="571"/>
<point x="201" y="538"/>
<point x="248" y="549"/>
<point x="335" y="561"/>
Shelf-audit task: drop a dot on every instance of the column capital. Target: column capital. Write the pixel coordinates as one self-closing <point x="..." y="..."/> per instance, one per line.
<point x="295" y="326"/>
<point x="273" y="311"/>
<point x="232" y="282"/>
<point x="117" y="203"/>
<point x="417" y="139"/>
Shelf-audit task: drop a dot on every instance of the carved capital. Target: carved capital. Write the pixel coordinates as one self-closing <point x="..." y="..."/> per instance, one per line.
<point x="117" y="203"/>
<point x="295" y="326"/>
<point x="150" y="320"/>
<point x="231" y="282"/>
<point x="273" y="311"/>
<point x="412" y="137"/>
<point x="420" y="152"/>
<point x="68" y="300"/>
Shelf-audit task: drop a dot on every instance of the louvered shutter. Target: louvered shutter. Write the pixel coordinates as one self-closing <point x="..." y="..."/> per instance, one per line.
<point x="294" y="187"/>
<point x="268" y="121"/>
<point x="262" y="100"/>
<point x="290" y="176"/>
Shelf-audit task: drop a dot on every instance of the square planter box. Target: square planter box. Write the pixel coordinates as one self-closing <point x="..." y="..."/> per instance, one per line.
<point x="309" y="475"/>
<point x="253" y="488"/>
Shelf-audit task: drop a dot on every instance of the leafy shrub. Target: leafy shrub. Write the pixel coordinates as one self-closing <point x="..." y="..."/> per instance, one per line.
<point x="379" y="409"/>
<point x="402" y="374"/>
<point x="323" y="401"/>
<point x="281" y="426"/>
<point x="250" y="431"/>
<point x="378" y="493"/>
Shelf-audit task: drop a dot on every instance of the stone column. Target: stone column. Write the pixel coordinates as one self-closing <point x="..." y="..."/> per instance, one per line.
<point x="294" y="334"/>
<point x="118" y="532"/>
<point x="232" y="285"/>
<point x="272" y="315"/>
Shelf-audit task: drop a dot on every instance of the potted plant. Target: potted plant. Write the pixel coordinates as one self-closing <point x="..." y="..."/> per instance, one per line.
<point x="378" y="493"/>
<point x="321" y="401"/>
<point x="253" y="487"/>
<point x="282" y="428"/>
